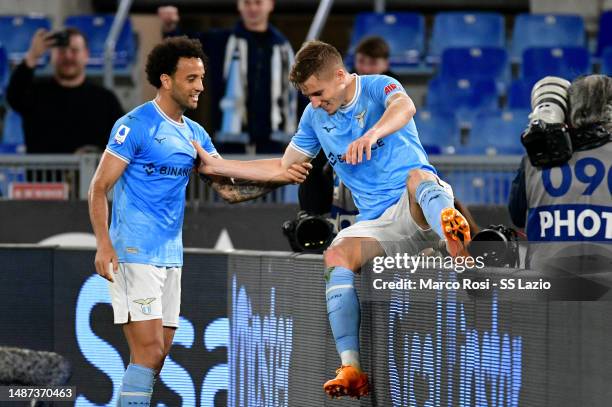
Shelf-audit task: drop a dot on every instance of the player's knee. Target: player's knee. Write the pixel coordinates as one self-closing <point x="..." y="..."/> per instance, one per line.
<point x="336" y="256"/>
<point x="417" y="176"/>
<point x="150" y="354"/>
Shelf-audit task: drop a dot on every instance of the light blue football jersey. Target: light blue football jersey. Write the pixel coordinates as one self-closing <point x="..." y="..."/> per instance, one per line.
<point x="149" y="197"/>
<point x="376" y="184"/>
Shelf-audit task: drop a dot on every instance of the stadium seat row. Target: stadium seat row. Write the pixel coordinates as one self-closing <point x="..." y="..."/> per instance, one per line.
<point x="492" y="132"/>
<point x="16" y="33"/>
<point x="405" y="33"/>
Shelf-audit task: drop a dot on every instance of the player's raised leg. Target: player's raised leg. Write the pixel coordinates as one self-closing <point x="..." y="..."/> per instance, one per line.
<point x="432" y="201"/>
<point x="342" y="260"/>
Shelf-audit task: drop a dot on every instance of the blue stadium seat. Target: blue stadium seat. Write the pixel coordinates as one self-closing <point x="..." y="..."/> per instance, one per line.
<point x="519" y="94"/>
<point x="606" y="61"/>
<point x="546" y="30"/>
<point x="604" y="36"/>
<point x="438" y="131"/>
<point x="475" y="63"/>
<point x="567" y="63"/>
<point x="465" y="29"/>
<point x="96" y="29"/>
<point x="495" y="133"/>
<point x="12" y="132"/>
<point x="16" y="34"/>
<point x="5" y="71"/>
<point x="463" y="97"/>
<point x="403" y="32"/>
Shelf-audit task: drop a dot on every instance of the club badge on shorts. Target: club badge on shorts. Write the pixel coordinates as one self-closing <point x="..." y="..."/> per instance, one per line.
<point x="145" y="305"/>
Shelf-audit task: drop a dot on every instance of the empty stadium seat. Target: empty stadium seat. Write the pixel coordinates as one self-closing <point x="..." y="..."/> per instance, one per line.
<point x="466" y="29"/>
<point x="567" y="63"/>
<point x="604" y="36"/>
<point x="475" y="63"/>
<point x="96" y="29"/>
<point x="438" y="131"/>
<point x="606" y="61"/>
<point x="546" y="30"/>
<point x="12" y="131"/>
<point x="5" y="71"/>
<point x="16" y="34"/>
<point x="519" y="94"/>
<point x="464" y="97"/>
<point x="496" y="133"/>
<point x="403" y="32"/>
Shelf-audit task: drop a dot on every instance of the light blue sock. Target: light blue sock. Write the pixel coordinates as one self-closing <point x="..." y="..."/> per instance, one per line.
<point x="433" y="198"/>
<point x="137" y="386"/>
<point x="343" y="309"/>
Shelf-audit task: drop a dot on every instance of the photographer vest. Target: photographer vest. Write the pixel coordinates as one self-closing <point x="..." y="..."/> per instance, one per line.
<point x="570" y="212"/>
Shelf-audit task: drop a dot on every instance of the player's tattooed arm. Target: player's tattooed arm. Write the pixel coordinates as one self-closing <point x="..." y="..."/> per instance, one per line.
<point x="234" y="191"/>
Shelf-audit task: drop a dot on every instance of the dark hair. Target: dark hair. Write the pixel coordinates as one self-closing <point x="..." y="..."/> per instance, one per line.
<point x="73" y="31"/>
<point x="164" y="58"/>
<point x="312" y="59"/>
<point x="373" y="47"/>
<point x="590" y="101"/>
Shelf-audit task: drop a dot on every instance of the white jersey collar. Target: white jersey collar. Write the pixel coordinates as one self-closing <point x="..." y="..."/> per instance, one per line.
<point x="166" y="117"/>
<point x="353" y="101"/>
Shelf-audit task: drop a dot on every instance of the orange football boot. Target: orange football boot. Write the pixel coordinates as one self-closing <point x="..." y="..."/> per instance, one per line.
<point x="457" y="232"/>
<point x="348" y="382"/>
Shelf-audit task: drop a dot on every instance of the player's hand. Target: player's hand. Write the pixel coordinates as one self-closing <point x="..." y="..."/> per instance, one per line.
<point x="169" y="17"/>
<point x="299" y="172"/>
<point x="206" y="160"/>
<point x="354" y="152"/>
<point x="107" y="262"/>
<point x="40" y="43"/>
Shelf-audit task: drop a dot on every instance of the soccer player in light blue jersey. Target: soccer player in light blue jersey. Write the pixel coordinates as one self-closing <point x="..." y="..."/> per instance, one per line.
<point x="365" y="126"/>
<point x="149" y="159"/>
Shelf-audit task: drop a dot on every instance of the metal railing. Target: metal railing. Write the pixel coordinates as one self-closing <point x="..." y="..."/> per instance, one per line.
<point x="475" y="179"/>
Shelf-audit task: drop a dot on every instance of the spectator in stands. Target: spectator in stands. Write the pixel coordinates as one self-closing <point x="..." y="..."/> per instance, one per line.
<point x="265" y="53"/>
<point x="372" y="57"/>
<point x="64" y="113"/>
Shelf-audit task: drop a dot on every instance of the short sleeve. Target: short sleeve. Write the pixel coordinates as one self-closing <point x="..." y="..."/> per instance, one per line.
<point x="382" y="87"/>
<point x="305" y="139"/>
<point x="127" y="138"/>
<point x="206" y="142"/>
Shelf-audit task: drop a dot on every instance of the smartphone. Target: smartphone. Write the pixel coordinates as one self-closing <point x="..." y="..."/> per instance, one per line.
<point x="60" y="38"/>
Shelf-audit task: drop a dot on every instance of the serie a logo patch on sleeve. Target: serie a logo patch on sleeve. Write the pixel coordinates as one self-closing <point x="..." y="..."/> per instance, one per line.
<point x="121" y="133"/>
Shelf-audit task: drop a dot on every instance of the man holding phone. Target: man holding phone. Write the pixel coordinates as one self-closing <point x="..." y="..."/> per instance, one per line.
<point x="64" y="113"/>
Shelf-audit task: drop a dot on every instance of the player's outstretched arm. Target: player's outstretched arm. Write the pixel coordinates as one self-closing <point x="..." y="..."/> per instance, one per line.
<point x="398" y="113"/>
<point x="234" y="191"/>
<point x="253" y="178"/>
<point x="108" y="172"/>
<point x="292" y="167"/>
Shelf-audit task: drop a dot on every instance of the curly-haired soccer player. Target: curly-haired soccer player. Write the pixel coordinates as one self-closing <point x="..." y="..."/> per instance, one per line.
<point x="149" y="159"/>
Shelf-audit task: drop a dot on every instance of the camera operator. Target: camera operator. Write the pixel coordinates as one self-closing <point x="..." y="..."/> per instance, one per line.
<point x="562" y="192"/>
<point x="66" y="112"/>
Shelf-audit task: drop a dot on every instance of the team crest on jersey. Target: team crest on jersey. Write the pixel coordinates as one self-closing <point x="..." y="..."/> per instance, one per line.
<point x="361" y="119"/>
<point x="121" y="133"/>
